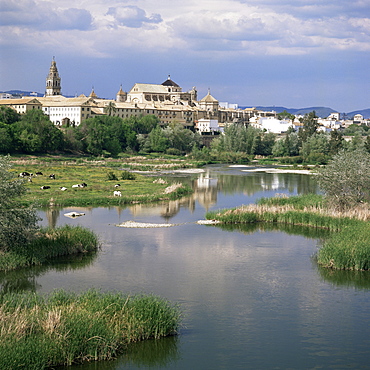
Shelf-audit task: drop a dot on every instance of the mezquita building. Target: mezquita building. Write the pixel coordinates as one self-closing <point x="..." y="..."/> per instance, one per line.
<point x="166" y="101"/>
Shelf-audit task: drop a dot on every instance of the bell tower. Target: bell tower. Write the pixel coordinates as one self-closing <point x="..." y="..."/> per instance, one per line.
<point x="53" y="81"/>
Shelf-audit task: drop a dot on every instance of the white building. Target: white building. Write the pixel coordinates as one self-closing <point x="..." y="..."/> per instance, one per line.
<point x="208" y="125"/>
<point x="271" y="124"/>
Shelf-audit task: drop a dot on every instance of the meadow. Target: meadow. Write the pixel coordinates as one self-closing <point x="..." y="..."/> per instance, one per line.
<point x="100" y="175"/>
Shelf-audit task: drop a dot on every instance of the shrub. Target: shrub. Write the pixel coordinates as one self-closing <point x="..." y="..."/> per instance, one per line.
<point x="126" y="175"/>
<point x="346" y="179"/>
<point x="111" y="176"/>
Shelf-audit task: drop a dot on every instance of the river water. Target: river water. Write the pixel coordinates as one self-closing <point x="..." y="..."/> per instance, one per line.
<point x="252" y="297"/>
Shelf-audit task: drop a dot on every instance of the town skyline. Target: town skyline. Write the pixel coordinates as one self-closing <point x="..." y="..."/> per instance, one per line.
<point x="281" y="53"/>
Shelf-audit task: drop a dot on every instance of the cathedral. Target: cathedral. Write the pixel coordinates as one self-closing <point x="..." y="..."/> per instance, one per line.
<point x="53" y="81"/>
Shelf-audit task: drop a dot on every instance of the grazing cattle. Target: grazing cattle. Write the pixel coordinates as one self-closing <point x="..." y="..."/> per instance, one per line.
<point x="24" y="174"/>
<point x="117" y="185"/>
<point x="52" y="176"/>
<point x="63" y="188"/>
<point x="83" y="185"/>
<point x="38" y="173"/>
<point x="44" y="187"/>
<point x="30" y="179"/>
<point x="117" y="193"/>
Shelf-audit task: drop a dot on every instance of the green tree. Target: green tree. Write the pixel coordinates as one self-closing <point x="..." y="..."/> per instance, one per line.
<point x="315" y="148"/>
<point x="310" y="126"/>
<point x="35" y="133"/>
<point x="181" y="138"/>
<point x="285" y="115"/>
<point x="143" y="124"/>
<point x="237" y="138"/>
<point x="6" y="139"/>
<point x="336" y="142"/>
<point x="110" y="108"/>
<point x="156" y="141"/>
<point x="346" y="179"/>
<point x="17" y="224"/>
<point x="367" y="144"/>
<point x="8" y="115"/>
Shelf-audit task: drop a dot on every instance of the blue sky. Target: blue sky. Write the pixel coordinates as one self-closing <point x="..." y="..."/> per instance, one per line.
<point x="292" y="53"/>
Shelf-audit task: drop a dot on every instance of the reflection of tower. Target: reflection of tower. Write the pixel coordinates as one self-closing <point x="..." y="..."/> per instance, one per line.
<point x="52" y="214"/>
<point x="53" y="81"/>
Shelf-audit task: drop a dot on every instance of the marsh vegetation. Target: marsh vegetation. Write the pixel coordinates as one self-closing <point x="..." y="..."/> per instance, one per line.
<point x="64" y="328"/>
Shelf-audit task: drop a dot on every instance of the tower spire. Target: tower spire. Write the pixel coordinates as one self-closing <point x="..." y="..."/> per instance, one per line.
<point x="53" y="80"/>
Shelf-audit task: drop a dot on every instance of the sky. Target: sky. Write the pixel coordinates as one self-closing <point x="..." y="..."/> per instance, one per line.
<point x="291" y="53"/>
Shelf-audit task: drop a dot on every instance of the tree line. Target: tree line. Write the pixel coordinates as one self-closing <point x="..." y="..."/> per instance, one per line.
<point x="33" y="133"/>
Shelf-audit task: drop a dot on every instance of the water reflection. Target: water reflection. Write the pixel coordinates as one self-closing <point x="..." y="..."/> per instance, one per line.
<point x="357" y="279"/>
<point x="158" y="353"/>
<point x="252" y="296"/>
<point x="26" y="279"/>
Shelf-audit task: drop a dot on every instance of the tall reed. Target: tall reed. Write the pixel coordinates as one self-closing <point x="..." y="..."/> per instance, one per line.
<point x="49" y="243"/>
<point x="64" y="328"/>
<point x="347" y="246"/>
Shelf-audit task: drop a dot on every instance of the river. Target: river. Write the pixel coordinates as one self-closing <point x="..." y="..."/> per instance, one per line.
<point x="252" y="297"/>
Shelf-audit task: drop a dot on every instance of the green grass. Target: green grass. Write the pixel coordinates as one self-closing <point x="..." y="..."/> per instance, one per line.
<point x="49" y="243"/>
<point x="38" y="332"/>
<point x="100" y="177"/>
<point x="347" y="247"/>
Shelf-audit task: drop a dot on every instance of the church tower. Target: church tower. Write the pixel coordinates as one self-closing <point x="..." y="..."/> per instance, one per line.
<point x="53" y="81"/>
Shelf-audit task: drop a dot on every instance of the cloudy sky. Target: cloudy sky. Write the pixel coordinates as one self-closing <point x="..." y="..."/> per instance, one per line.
<point x="292" y="53"/>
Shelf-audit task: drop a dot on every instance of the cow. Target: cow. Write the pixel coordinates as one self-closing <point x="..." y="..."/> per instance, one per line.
<point x="24" y="174"/>
<point x="44" y="187"/>
<point x="52" y="176"/>
<point x="38" y="173"/>
<point x="83" y="185"/>
<point x="117" y="193"/>
<point x="117" y="185"/>
<point x="63" y="188"/>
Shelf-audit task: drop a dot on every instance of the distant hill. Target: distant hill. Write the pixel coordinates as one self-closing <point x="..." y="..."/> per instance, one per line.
<point x="24" y="93"/>
<point x="364" y="112"/>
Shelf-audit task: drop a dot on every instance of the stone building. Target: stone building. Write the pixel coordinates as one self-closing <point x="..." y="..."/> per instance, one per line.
<point x="53" y="80"/>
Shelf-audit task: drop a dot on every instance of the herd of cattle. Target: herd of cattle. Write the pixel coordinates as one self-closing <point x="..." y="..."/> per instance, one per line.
<point x="28" y="175"/>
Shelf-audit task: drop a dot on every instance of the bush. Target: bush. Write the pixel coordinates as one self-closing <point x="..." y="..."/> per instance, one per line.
<point x="112" y="176"/>
<point x="346" y="179"/>
<point x="126" y="175"/>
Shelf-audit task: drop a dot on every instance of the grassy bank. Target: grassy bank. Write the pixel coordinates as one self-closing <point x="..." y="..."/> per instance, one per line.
<point x="100" y="177"/>
<point x="50" y="243"/>
<point x="64" y="328"/>
<point x="347" y="247"/>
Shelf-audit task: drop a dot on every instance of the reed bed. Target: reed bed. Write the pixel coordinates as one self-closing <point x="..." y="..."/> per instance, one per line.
<point x="348" y="245"/>
<point x="348" y="249"/>
<point x="49" y="243"/>
<point x="63" y="328"/>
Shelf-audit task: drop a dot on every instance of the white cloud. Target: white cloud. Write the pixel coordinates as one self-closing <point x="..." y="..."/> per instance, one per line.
<point x="196" y="26"/>
<point x="132" y="16"/>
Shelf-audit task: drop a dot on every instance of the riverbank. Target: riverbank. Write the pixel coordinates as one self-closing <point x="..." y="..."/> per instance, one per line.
<point x="47" y="244"/>
<point x="347" y="248"/>
<point x="65" y="328"/>
<point x="61" y="181"/>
